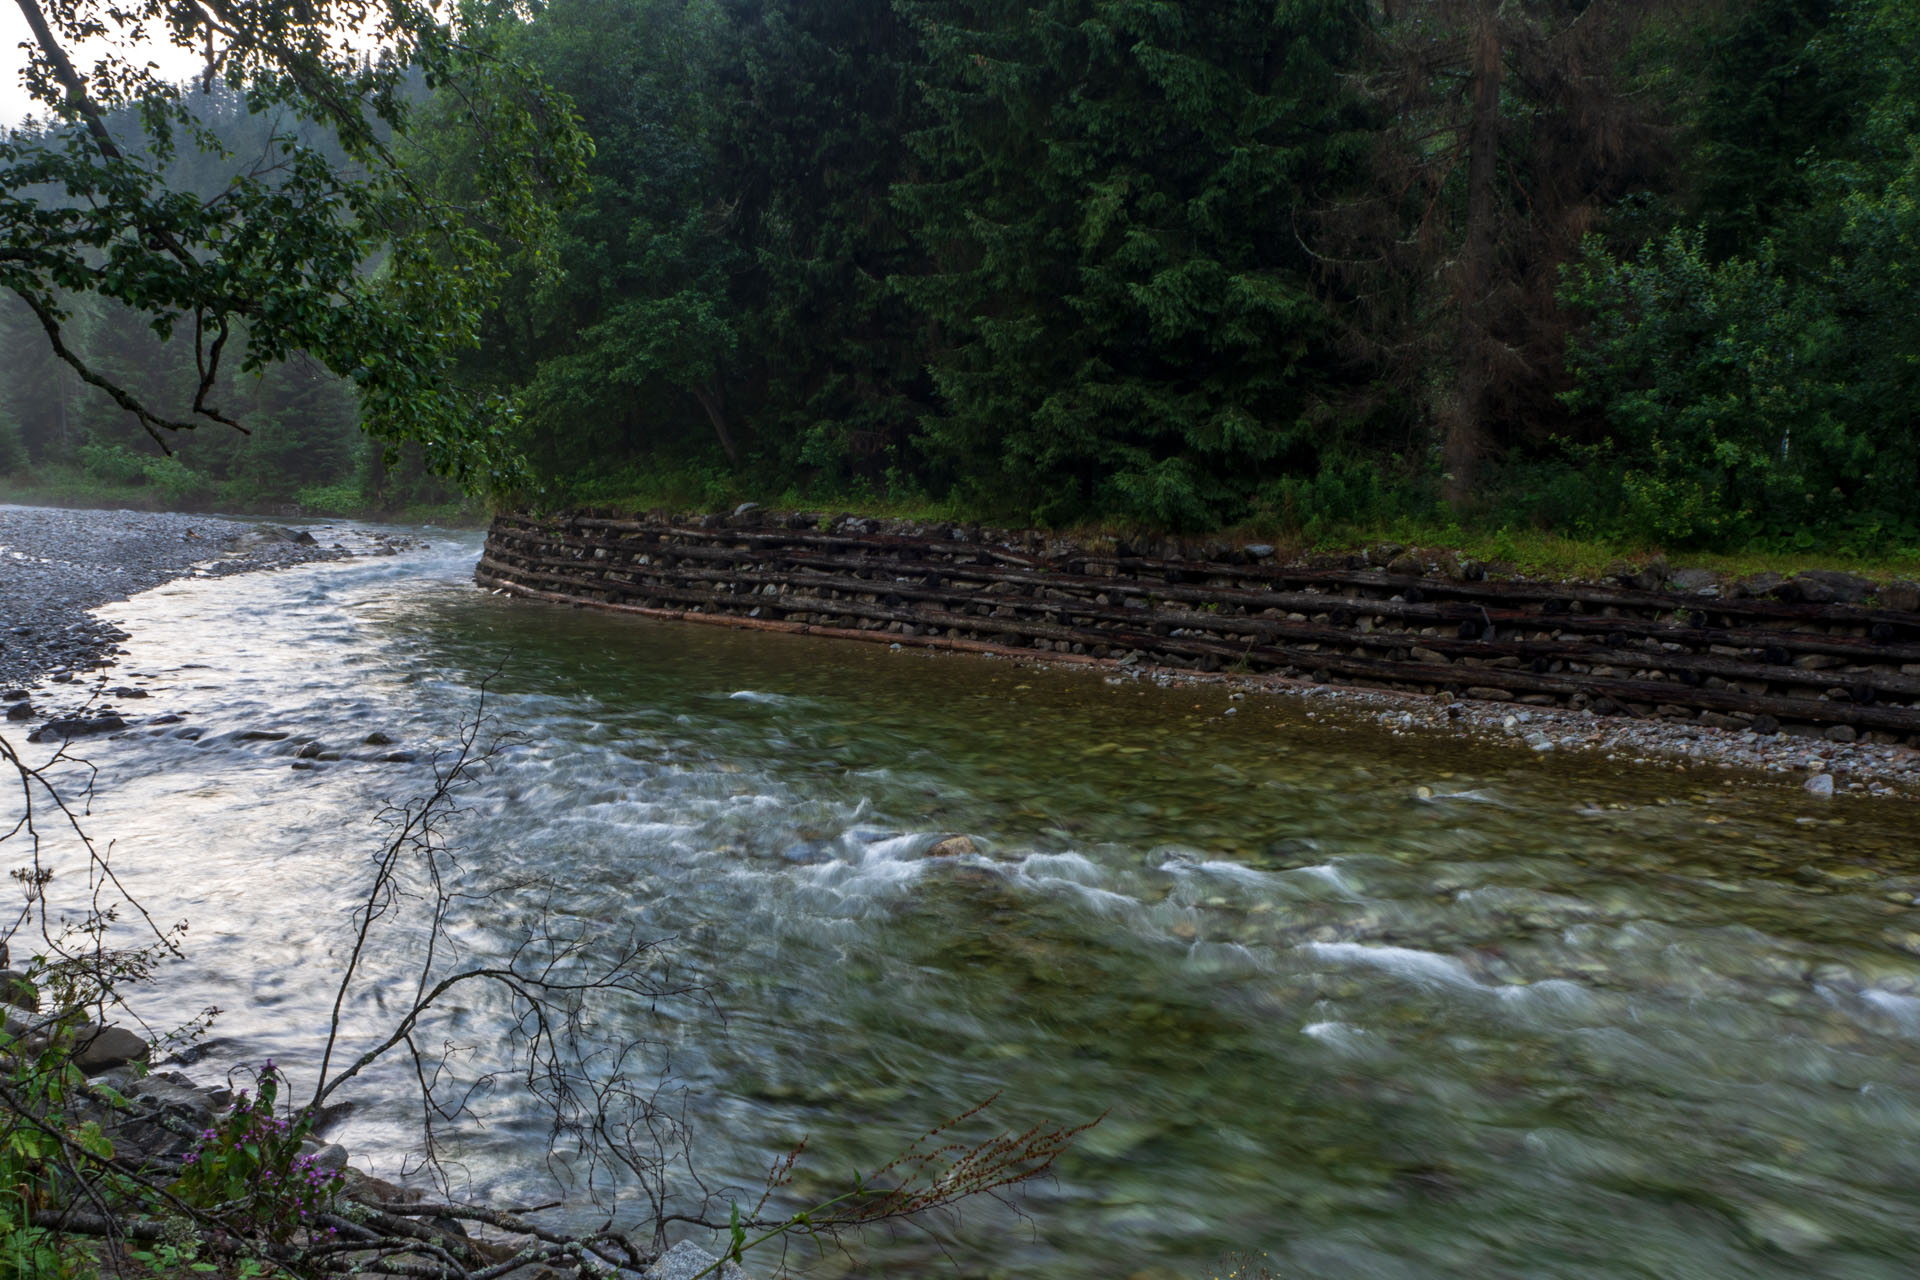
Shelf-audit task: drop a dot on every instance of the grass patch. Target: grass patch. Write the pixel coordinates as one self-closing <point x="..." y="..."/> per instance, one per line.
<point x="72" y="487"/>
<point x="1546" y="554"/>
<point x="1531" y="552"/>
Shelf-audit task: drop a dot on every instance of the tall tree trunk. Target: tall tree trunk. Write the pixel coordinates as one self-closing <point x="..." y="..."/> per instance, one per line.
<point x="710" y="400"/>
<point x="1465" y="422"/>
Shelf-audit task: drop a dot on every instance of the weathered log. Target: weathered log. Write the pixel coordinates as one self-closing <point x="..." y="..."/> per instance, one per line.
<point x="1360" y="625"/>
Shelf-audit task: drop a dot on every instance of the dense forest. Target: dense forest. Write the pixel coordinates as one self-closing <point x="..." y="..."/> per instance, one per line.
<point x="1624" y="270"/>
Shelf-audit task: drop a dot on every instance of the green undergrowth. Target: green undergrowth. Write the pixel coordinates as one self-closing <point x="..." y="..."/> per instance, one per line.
<point x="1527" y="551"/>
<point x="69" y="487"/>
<point x="1543" y="553"/>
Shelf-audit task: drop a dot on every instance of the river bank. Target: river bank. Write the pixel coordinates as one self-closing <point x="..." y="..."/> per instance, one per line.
<point x="70" y="673"/>
<point x="1813" y="677"/>
<point x="57" y="565"/>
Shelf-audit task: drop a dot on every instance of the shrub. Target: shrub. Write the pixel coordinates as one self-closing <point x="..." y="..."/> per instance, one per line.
<point x="113" y="464"/>
<point x="252" y="1158"/>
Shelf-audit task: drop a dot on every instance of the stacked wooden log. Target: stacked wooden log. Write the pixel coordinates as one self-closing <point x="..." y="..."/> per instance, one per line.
<point x="1708" y="655"/>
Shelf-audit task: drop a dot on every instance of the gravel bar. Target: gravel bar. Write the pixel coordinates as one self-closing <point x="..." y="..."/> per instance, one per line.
<point x="57" y="564"/>
<point x="1824" y="769"/>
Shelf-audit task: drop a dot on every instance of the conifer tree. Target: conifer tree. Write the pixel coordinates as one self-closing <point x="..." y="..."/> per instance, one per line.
<point x="1117" y="304"/>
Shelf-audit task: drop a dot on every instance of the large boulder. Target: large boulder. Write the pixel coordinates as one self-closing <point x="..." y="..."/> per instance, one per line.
<point x="98" y="1049"/>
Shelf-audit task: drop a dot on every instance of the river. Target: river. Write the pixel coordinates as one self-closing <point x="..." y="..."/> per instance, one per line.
<point x="1369" y="1005"/>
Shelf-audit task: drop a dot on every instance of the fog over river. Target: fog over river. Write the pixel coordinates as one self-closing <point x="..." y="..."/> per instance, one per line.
<point x="1375" y="1006"/>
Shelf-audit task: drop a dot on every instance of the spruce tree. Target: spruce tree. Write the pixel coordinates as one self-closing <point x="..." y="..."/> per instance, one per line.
<point x="1117" y="305"/>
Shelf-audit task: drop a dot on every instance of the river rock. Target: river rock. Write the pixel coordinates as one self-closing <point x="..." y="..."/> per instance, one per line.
<point x="331" y="1156"/>
<point x="98" y="1049"/>
<point x="1382" y="553"/>
<point x="13" y="695"/>
<point x="1850" y="588"/>
<point x="686" y="1260"/>
<point x="163" y="1115"/>
<point x="17" y="1028"/>
<point x="1651" y="577"/>
<point x="953" y="847"/>
<point x="1901" y="596"/>
<point x="377" y="739"/>
<point x="20" y="711"/>
<point x="368" y="1189"/>
<point x="17" y="990"/>
<point x="1759" y="584"/>
<point x="1821" y="785"/>
<point x="174" y="1093"/>
<point x="1692" y="579"/>
<point x="269" y="534"/>
<point x="76" y="728"/>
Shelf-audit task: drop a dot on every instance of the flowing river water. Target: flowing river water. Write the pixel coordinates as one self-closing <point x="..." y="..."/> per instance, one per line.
<point x="1370" y="1005"/>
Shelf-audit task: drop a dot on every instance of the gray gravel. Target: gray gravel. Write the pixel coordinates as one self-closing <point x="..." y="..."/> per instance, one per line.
<point x="1824" y="770"/>
<point x="55" y="565"/>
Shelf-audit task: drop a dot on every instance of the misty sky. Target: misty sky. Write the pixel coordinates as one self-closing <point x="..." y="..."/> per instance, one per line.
<point x="175" y="64"/>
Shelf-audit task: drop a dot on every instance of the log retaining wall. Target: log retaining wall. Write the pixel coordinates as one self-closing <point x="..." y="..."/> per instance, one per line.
<point x="1710" y="655"/>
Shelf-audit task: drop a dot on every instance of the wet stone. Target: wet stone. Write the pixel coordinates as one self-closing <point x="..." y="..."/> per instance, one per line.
<point x="101" y="1048"/>
<point x="76" y="728"/>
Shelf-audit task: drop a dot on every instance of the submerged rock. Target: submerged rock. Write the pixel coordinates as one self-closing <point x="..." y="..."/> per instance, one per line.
<point x="953" y="847"/>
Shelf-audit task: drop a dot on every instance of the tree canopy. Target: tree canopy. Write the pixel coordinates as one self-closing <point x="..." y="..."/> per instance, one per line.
<point x="316" y="241"/>
<point x="1609" y="267"/>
